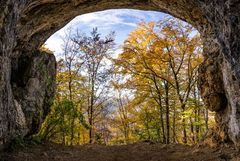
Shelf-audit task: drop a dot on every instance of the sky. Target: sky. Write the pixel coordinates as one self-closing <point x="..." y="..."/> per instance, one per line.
<point x="122" y="21"/>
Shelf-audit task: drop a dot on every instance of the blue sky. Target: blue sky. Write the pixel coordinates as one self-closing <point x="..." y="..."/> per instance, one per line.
<point x="122" y="21"/>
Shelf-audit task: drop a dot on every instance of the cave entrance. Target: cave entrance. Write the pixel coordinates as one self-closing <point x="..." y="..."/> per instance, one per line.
<point x="26" y="25"/>
<point x="115" y="102"/>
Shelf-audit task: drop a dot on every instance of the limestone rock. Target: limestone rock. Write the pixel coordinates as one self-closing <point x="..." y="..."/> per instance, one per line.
<point x="33" y="85"/>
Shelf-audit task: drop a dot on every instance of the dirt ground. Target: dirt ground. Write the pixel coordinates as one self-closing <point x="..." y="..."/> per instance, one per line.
<point x="134" y="152"/>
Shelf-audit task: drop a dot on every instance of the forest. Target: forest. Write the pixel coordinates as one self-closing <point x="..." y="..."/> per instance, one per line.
<point x="147" y="92"/>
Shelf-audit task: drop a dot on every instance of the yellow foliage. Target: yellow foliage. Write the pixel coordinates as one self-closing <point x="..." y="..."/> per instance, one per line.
<point x="45" y="49"/>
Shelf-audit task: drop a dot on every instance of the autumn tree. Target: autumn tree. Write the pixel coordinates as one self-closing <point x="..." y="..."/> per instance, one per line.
<point x="123" y="117"/>
<point x="71" y="64"/>
<point x="149" y="92"/>
<point x="95" y="53"/>
<point x="82" y="84"/>
<point x="160" y="61"/>
<point x="66" y="116"/>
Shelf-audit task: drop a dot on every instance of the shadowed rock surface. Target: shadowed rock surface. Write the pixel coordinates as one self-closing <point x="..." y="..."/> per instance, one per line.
<point x="26" y="24"/>
<point x="33" y="85"/>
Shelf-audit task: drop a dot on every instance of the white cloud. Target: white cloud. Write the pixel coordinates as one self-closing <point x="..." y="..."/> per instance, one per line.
<point x="54" y="44"/>
<point x="121" y="20"/>
<point x="105" y="18"/>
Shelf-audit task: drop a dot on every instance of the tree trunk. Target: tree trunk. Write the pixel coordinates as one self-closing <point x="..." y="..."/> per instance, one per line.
<point x="174" y="123"/>
<point x="72" y="130"/>
<point x="91" y="121"/>
<point x="166" y="85"/>
<point x="184" y="131"/>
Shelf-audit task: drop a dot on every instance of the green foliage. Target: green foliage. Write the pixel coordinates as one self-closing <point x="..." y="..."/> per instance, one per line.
<point x="59" y="120"/>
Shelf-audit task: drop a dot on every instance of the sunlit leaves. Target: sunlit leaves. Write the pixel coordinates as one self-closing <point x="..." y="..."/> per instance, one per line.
<point x="160" y="61"/>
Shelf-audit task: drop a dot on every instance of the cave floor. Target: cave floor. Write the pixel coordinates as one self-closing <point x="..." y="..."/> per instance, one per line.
<point x="135" y="152"/>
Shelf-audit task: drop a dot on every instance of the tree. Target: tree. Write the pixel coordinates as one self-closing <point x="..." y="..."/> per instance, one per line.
<point x="67" y="114"/>
<point x="161" y="61"/>
<point x="153" y="81"/>
<point x="123" y="116"/>
<point x="82" y="82"/>
<point x="69" y="73"/>
<point x="95" y="52"/>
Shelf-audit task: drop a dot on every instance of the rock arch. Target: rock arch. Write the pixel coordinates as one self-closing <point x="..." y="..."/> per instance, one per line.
<point x="27" y="75"/>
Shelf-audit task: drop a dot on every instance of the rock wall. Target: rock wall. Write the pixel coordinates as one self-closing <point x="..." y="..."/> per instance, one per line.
<point x="223" y="78"/>
<point x="26" y="24"/>
<point x="33" y="86"/>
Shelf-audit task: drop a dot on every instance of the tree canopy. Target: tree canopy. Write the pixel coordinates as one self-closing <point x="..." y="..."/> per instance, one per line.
<point x="149" y="92"/>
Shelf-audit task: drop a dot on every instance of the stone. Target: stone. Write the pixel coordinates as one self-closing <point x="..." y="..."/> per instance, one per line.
<point x="33" y="85"/>
<point x="26" y="24"/>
